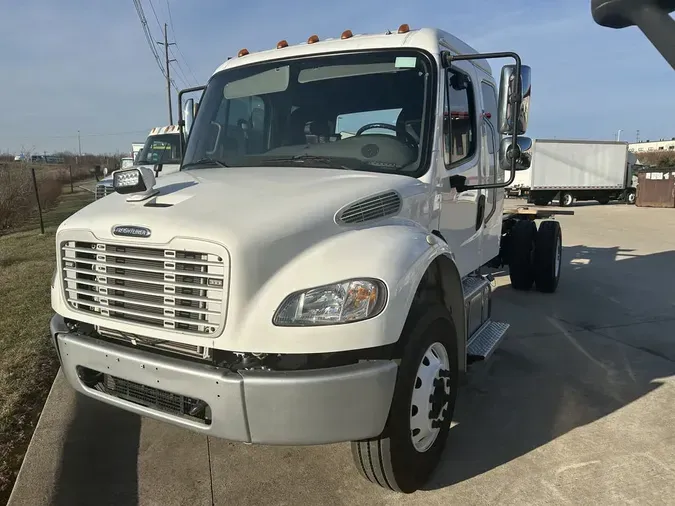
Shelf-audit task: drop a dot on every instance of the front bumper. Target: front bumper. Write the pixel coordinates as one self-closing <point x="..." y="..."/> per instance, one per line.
<point x="320" y="406"/>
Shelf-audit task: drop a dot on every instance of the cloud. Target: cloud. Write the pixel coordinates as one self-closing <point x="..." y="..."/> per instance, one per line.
<point x="76" y="65"/>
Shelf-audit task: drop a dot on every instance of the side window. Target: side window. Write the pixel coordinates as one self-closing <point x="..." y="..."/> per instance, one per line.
<point x="490" y="106"/>
<point x="459" y="118"/>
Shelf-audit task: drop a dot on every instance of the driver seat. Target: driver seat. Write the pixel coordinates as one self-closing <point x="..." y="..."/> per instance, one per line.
<point x="405" y="126"/>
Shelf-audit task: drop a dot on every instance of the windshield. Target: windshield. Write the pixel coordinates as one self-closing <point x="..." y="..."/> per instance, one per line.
<point x="163" y="149"/>
<point x="362" y="111"/>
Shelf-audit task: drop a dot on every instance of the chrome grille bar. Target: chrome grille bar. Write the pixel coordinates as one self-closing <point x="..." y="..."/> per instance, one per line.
<point x="171" y="289"/>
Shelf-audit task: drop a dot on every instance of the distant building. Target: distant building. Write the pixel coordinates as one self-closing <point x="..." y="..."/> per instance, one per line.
<point x="652" y="146"/>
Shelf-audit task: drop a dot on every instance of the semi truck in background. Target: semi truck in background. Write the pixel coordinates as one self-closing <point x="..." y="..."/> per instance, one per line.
<point x="579" y="170"/>
<point x="160" y="151"/>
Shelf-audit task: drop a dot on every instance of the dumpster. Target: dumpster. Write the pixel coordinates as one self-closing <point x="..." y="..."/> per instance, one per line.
<point x="656" y="187"/>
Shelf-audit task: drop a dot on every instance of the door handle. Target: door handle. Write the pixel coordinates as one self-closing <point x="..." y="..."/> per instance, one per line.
<point x="481" y="211"/>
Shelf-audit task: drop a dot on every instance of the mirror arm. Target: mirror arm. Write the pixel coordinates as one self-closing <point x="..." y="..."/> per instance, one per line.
<point x="515" y="106"/>
<point x="181" y="120"/>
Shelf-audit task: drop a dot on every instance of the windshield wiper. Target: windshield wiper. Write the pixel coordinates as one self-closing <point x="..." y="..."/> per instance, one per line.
<point x="326" y="161"/>
<point x="204" y="161"/>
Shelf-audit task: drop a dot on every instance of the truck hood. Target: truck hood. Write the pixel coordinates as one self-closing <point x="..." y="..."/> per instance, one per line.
<point x="263" y="216"/>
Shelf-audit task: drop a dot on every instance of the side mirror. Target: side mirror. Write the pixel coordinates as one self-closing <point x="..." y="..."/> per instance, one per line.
<point x="522" y="152"/>
<point x="189" y="114"/>
<point x="508" y="95"/>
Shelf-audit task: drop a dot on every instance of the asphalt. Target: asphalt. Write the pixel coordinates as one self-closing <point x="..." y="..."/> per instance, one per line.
<point x="576" y="407"/>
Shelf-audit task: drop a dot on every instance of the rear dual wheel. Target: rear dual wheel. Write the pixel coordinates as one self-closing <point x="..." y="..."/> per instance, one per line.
<point x="404" y="456"/>
<point x="535" y="256"/>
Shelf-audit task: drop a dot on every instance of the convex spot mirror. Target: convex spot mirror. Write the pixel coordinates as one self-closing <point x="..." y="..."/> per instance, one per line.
<point x="508" y="95"/>
<point x="522" y="153"/>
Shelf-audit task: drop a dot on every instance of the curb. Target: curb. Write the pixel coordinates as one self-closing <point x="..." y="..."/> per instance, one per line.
<point x="32" y="439"/>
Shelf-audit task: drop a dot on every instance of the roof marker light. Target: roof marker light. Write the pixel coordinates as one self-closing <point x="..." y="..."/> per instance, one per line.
<point x="347" y="34"/>
<point x="404" y="28"/>
<point x="313" y="39"/>
<point x="282" y="44"/>
<point x="242" y="52"/>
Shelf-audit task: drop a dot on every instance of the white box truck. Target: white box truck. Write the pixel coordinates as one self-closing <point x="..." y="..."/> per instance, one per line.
<point x="571" y="170"/>
<point x="289" y="286"/>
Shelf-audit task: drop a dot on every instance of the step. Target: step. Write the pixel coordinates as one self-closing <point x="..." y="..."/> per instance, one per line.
<point x="486" y="339"/>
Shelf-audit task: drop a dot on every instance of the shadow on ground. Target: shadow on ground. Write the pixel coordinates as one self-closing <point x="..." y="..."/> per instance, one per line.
<point x="99" y="458"/>
<point x="569" y="361"/>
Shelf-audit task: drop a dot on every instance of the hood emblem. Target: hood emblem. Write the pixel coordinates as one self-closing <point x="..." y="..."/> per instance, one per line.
<point x="130" y="231"/>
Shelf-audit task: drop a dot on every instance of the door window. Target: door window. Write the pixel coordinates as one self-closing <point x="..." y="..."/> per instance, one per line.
<point x="459" y="118"/>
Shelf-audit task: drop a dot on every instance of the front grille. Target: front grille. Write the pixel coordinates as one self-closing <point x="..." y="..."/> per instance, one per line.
<point x="102" y="190"/>
<point x="377" y="206"/>
<point x="154" y="398"/>
<point x="170" y="289"/>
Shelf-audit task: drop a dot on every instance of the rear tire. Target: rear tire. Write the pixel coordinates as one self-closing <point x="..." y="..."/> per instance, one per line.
<point x="630" y="199"/>
<point x="566" y="199"/>
<point x="521" y="248"/>
<point x="403" y="457"/>
<point x="548" y="256"/>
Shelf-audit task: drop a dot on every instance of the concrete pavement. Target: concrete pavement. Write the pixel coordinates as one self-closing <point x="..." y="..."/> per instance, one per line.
<point x="576" y="407"/>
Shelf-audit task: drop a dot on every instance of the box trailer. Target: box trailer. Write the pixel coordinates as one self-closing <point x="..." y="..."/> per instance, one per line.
<point x="570" y="170"/>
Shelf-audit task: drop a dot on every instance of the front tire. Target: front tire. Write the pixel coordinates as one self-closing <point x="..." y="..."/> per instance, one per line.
<point x="403" y="457"/>
<point x="631" y="198"/>
<point x="566" y="199"/>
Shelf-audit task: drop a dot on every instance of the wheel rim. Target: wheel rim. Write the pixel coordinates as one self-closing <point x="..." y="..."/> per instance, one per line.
<point x="558" y="256"/>
<point x="631" y="198"/>
<point x="567" y="199"/>
<point x="430" y="397"/>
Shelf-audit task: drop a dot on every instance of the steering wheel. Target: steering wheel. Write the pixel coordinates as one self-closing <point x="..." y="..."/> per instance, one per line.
<point x="409" y="140"/>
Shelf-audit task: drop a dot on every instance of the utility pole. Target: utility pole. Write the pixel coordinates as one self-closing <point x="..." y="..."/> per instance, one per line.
<point x="166" y="45"/>
<point x="79" y="144"/>
<point x="618" y="135"/>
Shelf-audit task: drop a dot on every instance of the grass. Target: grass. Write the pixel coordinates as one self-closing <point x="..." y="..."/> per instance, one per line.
<point x="28" y="363"/>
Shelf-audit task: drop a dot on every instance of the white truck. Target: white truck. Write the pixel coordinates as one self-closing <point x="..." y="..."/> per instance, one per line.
<point x="292" y="287"/>
<point x="161" y="152"/>
<point x="571" y="170"/>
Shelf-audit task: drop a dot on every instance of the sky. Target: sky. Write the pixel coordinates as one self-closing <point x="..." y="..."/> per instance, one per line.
<point x="85" y="65"/>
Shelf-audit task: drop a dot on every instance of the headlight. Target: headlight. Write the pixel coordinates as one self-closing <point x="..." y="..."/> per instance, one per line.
<point x="344" y="302"/>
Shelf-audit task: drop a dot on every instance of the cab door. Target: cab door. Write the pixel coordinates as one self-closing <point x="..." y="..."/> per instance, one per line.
<point x="494" y="197"/>
<point x="461" y="214"/>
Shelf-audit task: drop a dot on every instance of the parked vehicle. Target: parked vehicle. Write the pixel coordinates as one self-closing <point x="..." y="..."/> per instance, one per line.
<point x="521" y="184"/>
<point x="161" y="152"/>
<point x="290" y="286"/>
<point x="571" y="170"/>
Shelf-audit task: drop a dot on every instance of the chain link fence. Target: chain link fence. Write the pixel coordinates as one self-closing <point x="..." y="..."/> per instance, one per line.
<point x="26" y="190"/>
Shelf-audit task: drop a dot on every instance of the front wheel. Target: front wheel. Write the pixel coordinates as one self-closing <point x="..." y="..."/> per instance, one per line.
<point x="566" y="199"/>
<point x="403" y="457"/>
<point x="630" y="198"/>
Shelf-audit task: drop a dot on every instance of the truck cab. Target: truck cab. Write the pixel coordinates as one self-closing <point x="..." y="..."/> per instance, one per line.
<point x="314" y="273"/>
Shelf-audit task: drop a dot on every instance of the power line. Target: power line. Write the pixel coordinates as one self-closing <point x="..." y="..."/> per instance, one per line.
<point x="173" y="31"/>
<point x="149" y="38"/>
<point x="76" y="135"/>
